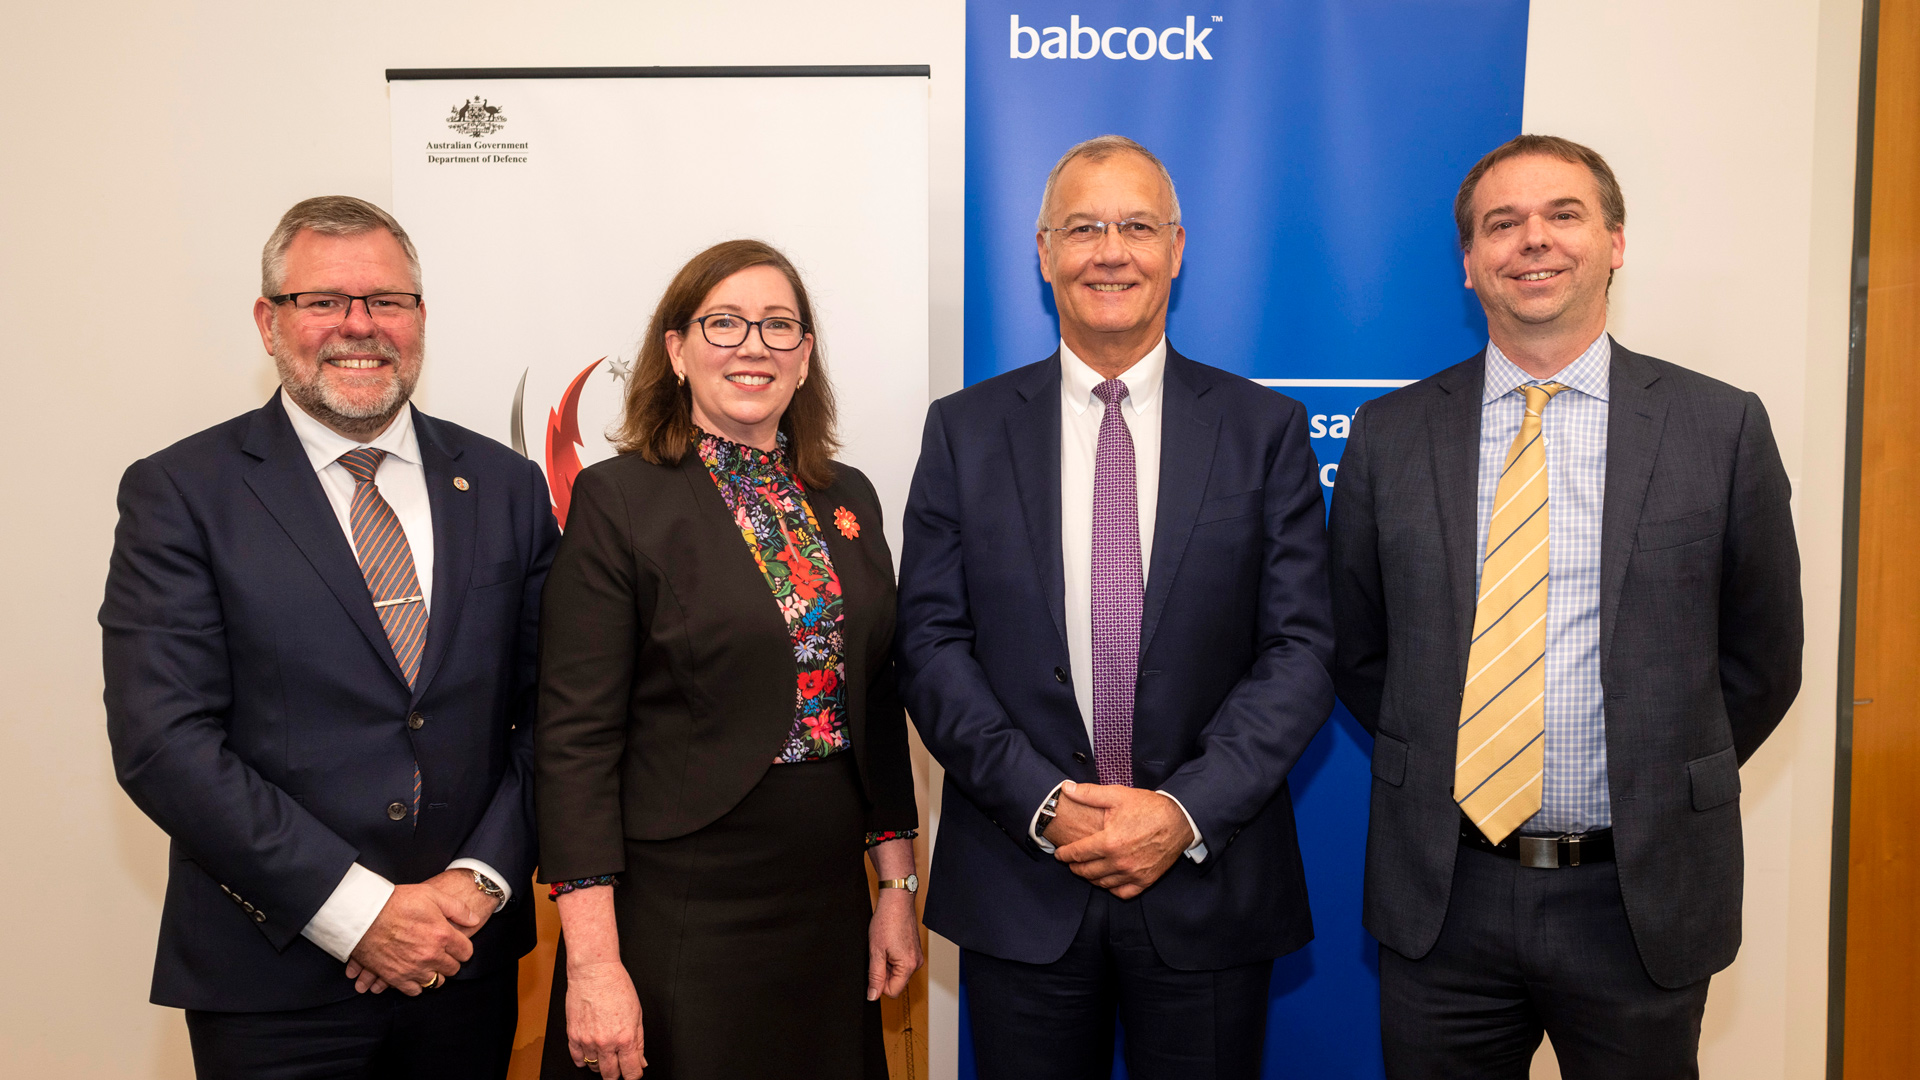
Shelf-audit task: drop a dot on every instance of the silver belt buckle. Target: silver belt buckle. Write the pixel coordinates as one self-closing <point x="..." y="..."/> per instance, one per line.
<point x="1542" y="852"/>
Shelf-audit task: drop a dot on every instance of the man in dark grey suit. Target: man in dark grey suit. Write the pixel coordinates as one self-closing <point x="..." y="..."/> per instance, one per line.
<point x="1567" y="598"/>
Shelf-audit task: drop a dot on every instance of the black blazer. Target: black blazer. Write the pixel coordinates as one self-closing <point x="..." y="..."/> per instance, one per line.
<point x="258" y="716"/>
<point x="1700" y="640"/>
<point x="1235" y="638"/>
<point x="667" y="673"/>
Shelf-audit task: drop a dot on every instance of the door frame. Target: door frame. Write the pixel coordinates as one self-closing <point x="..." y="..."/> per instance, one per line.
<point x="1850" y="544"/>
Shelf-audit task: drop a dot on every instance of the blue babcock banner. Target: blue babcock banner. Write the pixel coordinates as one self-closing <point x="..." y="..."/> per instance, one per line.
<point x="1316" y="146"/>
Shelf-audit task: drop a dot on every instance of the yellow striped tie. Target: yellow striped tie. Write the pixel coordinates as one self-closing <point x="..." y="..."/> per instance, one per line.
<point x="1501" y="753"/>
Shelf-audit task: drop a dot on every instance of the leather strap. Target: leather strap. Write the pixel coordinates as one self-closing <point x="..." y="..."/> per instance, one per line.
<point x="1543" y="852"/>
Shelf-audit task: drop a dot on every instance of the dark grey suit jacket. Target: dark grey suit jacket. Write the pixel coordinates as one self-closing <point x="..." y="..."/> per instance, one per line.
<point x="1700" y="640"/>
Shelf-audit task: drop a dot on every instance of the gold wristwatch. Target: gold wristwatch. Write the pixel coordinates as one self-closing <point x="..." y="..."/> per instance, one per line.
<point x="911" y="883"/>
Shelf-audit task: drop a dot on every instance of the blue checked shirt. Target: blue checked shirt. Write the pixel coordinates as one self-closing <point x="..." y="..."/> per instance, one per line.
<point x="1574" y="425"/>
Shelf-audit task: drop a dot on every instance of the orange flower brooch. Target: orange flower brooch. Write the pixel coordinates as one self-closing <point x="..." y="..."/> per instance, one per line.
<point x="844" y="520"/>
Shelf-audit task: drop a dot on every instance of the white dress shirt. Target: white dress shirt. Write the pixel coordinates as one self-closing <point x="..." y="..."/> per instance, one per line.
<point x="402" y="481"/>
<point x="343" y="920"/>
<point x="1080" y="416"/>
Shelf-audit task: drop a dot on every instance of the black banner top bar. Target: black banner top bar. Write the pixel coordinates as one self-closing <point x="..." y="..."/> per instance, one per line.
<point x="802" y="71"/>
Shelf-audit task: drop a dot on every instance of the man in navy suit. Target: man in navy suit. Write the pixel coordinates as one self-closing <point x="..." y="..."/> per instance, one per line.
<point x="1114" y="635"/>
<point x="319" y="643"/>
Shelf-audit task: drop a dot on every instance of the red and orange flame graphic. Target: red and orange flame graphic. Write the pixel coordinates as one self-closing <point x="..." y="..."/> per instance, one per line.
<point x="563" y="441"/>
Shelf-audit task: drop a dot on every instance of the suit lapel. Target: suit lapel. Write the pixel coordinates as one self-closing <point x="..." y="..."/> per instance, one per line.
<point x="1636" y="417"/>
<point x="285" y="483"/>
<point x="741" y="587"/>
<point x="454" y="514"/>
<point x="1033" y="430"/>
<point x="1189" y="432"/>
<point x="853" y="559"/>
<point x="1453" y="422"/>
<point x="861" y="590"/>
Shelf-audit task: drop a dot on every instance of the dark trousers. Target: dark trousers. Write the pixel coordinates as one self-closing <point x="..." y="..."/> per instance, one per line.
<point x="1524" y="952"/>
<point x="463" y="1029"/>
<point x="1055" y="1021"/>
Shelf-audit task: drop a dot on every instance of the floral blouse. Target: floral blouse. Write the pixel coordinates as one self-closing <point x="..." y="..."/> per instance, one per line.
<point x="770" y="508"/>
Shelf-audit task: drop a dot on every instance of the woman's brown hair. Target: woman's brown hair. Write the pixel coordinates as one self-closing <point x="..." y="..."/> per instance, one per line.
<point x="659" y="419"/>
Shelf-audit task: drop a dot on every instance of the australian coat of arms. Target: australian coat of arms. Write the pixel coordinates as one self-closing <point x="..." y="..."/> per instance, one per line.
<point x="474" y="118"/>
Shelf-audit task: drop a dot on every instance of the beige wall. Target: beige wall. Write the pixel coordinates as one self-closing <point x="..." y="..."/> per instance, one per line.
<point x="148" y="149"/>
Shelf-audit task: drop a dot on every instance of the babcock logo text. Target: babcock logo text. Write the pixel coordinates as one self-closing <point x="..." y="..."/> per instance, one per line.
<point x="1076" y="42"/>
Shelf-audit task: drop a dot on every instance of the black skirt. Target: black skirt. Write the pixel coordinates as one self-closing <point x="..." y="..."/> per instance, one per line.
<point x="747" y="940"/>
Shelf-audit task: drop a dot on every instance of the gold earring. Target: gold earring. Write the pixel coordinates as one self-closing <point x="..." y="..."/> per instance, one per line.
<point x="680" y="378"/>
<point x="801" y="383"/>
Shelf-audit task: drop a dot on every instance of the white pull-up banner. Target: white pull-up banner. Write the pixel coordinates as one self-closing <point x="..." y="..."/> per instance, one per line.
<point x="551" y="208"/>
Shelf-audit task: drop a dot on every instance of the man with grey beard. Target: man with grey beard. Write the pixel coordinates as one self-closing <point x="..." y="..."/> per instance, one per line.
<point x="319" y="644"/>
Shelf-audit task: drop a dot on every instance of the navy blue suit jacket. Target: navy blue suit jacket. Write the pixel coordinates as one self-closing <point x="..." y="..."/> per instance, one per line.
<point x="1235" y="642"/>
<point x="257" y="713"/>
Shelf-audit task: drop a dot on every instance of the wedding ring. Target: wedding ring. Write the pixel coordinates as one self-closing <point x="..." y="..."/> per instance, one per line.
<point x="433" y="982"/>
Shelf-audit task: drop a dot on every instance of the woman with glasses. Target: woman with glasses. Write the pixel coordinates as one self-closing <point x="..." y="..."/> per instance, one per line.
<point x="719" y="738"/>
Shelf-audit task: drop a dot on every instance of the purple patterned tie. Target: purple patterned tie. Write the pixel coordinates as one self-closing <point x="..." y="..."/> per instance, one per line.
<point x="387" y="561"/>
<point x="1117" y="590"/>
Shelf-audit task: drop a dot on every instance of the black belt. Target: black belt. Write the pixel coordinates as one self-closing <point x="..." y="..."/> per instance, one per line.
<point x="1543" y="852"/>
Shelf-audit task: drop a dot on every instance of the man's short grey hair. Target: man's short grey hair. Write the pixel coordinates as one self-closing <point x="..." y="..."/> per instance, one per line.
<point x="1100" y="148"/>
<point x="328" y="215"/>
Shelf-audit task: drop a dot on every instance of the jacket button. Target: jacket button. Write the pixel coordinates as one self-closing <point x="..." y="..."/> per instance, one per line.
<point x="416" y="721"/>
<point x="1060" y="675"/>
<point x="1079" y="757"/>
<point x="396" y="811"/>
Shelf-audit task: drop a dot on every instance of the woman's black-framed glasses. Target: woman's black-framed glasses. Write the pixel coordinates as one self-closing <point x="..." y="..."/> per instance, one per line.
<point x="324" y="309"/>
<point x="725" y="330"/>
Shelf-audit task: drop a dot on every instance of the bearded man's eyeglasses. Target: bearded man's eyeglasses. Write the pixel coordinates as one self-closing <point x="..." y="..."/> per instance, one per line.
<point x="321" y="310"/>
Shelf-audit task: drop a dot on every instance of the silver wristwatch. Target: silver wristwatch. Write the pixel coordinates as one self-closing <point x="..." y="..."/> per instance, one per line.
<point x="1048" y="810"/>
<point x="487" y="885"/>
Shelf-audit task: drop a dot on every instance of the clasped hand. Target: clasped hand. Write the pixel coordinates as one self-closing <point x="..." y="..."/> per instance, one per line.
<point x="421" y="933"/>
<point x="1120" y="838"/>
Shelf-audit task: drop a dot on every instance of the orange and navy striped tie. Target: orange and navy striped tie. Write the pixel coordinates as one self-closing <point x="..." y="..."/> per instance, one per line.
<point x="387" y="561"/>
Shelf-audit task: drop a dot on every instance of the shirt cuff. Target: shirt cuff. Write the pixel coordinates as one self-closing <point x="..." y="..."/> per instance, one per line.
<point x="491" y="874"/>
<point x="343" y="920"/>
<point x="1198" y="852"/>
<point x="562" y="888"/>
<point x="1033" y="823"/>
